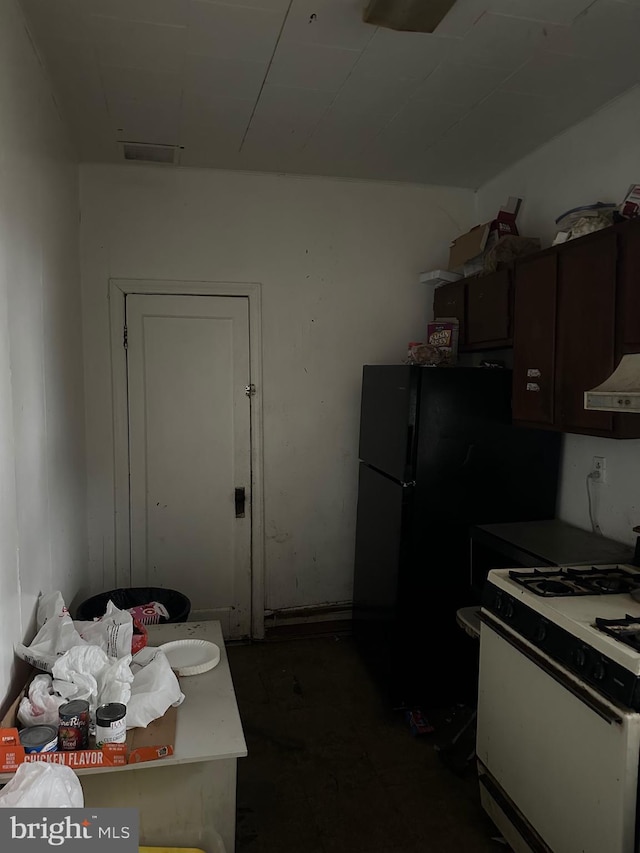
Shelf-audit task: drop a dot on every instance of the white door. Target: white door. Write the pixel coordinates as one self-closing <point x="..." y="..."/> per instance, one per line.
<point x="189" y="451"/>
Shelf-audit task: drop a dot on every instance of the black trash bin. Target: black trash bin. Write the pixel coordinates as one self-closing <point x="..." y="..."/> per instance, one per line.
<point x="176" y="603"/>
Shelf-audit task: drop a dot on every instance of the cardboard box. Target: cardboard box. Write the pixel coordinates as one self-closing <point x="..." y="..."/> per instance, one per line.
<point x="504" y="225"/>
<point x="442" y="334"/>
<point x="150" y="744"/>
<point x="465" y="253"/>
<point x="468" y="246"/>
<point x="156" y="741"/>
<point x="12" y="755"/>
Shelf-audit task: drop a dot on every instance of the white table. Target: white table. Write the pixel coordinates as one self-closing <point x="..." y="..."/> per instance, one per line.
<point x="185" y="798"/>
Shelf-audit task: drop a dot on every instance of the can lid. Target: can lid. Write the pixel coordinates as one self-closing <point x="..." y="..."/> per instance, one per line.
<point x="37" y="735"/>
<point x="110" y="713"/>
<point x="76" y="706"/>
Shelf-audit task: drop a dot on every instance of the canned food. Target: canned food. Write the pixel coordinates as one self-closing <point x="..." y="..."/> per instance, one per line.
<point x="111" y="723"/>
<point x="73" y="729"/>
<point x="39" y="738"/>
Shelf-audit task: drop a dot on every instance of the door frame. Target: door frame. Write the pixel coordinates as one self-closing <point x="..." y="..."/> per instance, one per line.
<point x="119" y="289"/>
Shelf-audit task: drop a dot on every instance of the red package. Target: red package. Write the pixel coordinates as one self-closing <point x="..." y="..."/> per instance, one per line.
<point x="140" y="637"/>
<point x="150" y="614"/>
<point x="504" y="225"/>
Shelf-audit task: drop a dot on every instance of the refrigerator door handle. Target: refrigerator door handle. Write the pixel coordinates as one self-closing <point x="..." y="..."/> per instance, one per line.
<point x="467" y="458"/>
<point x="409" y="454"/>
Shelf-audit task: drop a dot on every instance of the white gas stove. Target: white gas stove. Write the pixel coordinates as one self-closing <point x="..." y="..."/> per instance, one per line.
<point x="558" y="707"/>
<point x="572" y="599"/>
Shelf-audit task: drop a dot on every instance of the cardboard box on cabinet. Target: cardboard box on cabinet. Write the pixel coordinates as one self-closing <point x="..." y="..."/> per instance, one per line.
<point x="466" y="253"/>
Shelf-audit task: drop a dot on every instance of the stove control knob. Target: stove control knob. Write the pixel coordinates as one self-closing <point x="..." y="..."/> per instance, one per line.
<point x="508" y="610"/>
<point x="540" y="633"/>
<point x="599" y="670"/>
<point x="580" y="658"/>
<point x="499" y="603"/>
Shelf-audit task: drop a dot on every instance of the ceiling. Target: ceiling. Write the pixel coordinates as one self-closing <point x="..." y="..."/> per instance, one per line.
<point x="305" y="86"/>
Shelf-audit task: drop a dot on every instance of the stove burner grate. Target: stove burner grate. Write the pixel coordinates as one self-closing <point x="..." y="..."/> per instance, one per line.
<point x="606" y="581"/>
<point x="625" y="630"/>
<point x="549" y="584"/>
<point x="592" y="580"/>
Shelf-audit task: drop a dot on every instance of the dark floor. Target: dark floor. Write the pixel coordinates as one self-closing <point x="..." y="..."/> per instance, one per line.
<point x="329" y="771"/>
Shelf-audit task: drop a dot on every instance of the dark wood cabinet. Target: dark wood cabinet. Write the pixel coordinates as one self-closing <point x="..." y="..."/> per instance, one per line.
<point x="585" y="329"/>
<point x="576" y="311"/>
<point x="570" y="312"/>
<point x="628" y="301"/>
<point x="482" y="306"/>
<point x="535" y="293"/>
<point x="489" y="310"/>
<point x="449" y="301"/>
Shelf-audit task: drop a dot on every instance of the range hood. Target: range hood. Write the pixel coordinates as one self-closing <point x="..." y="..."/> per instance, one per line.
<point x="621" y="391"/>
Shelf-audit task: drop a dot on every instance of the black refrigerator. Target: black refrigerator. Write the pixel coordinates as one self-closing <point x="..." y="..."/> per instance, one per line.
<point x="438" y="454"/>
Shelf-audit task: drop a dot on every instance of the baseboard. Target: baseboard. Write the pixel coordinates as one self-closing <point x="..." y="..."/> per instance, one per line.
<point x="302" y="615"/>
<point x="292" y="621"/>
<point x="308" y="621"/>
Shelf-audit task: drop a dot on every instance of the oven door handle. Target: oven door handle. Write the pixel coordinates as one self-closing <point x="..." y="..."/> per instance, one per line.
<point x="557" y="674"/>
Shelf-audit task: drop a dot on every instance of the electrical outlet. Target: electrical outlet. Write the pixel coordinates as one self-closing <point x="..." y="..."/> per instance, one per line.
<point x="599" y="469"/>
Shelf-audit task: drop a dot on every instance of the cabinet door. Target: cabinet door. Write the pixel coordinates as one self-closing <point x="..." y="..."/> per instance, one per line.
<point x="449" y="301"/>
<point x="585" y="329"/>
<point x="534" y="339"/>
<point x="489" y="310"/>
<point x="629" y="290"/>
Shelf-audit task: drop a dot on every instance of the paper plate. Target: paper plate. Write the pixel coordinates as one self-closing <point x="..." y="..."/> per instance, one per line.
<point x="191" y="657"/>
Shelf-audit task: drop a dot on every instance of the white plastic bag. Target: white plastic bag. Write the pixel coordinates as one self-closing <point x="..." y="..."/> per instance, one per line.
<point x="155" y="688"/>
<point x="42" y="786"/>
<point x="113" y="632"/>
<point x="40" y="706"/>
<point x="56" y="634"/>
<point x="50" y="604"/>
<point x="91" y="661"/>
<point x="87" y="672"/>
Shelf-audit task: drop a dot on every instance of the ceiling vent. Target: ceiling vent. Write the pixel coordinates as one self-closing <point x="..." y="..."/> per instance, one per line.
<point x="149" y="152"/>
<point x="415" y="16"/>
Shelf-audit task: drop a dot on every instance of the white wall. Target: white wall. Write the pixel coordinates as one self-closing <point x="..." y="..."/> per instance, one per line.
<point x="594" y="161"/>
<point x="338" y="261"/>
<point x="42" y="467"/>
